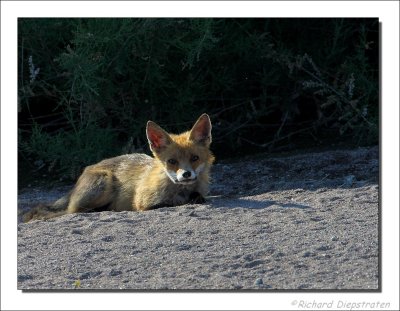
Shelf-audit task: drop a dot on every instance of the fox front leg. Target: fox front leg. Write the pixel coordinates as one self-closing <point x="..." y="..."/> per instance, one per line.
<point x="196" y="198"/>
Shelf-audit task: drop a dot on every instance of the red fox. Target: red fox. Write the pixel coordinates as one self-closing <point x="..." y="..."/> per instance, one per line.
<point x="177" y="174"/>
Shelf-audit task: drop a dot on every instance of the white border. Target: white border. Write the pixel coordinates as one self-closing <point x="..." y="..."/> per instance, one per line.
<point x="12" y="299"/>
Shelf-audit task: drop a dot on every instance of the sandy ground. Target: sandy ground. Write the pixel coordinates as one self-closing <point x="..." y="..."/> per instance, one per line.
<point x="308" y="221"/>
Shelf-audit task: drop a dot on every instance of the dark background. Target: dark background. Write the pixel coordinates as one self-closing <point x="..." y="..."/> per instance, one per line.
<point x="87" y="87"/>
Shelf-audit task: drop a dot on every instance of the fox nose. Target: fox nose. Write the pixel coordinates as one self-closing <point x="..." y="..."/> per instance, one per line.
<point x="187" y="174"/>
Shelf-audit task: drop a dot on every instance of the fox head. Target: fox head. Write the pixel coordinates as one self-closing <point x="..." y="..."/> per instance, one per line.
<point x="185" y="157"/>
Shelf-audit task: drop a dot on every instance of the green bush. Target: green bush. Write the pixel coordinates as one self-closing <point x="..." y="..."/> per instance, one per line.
<point x="69" y="150"/>
<point x="88" y="86"/>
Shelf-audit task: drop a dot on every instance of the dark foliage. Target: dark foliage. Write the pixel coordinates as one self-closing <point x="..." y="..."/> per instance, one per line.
<point x="88" y="86"/>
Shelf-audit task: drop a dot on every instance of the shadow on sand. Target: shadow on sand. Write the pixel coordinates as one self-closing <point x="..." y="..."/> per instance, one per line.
<point x="253" y="204"/>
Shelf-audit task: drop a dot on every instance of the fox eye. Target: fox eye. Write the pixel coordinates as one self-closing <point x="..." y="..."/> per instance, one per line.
<point x="172" y="161"/>
<point x="194" y="158"/>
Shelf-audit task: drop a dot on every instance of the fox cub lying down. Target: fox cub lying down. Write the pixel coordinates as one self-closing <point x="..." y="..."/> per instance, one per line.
<point x="178" y="174"/>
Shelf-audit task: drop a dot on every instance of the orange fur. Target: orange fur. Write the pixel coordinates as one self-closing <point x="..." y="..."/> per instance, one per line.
<point x="177" y="174"/>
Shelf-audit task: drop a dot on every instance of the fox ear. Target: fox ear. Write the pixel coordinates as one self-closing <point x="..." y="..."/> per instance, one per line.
<point x="201" y="130"/>
<point x="157" y="137"/>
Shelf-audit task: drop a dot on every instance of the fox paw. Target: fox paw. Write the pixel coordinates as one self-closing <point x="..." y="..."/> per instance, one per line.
<point x="196" y="198"/>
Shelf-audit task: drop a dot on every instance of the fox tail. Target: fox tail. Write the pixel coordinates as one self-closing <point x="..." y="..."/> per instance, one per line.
<point x="47" y="211"/>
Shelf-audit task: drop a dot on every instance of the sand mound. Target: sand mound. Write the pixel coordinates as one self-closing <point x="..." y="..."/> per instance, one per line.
<point x="301" y="222"/>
